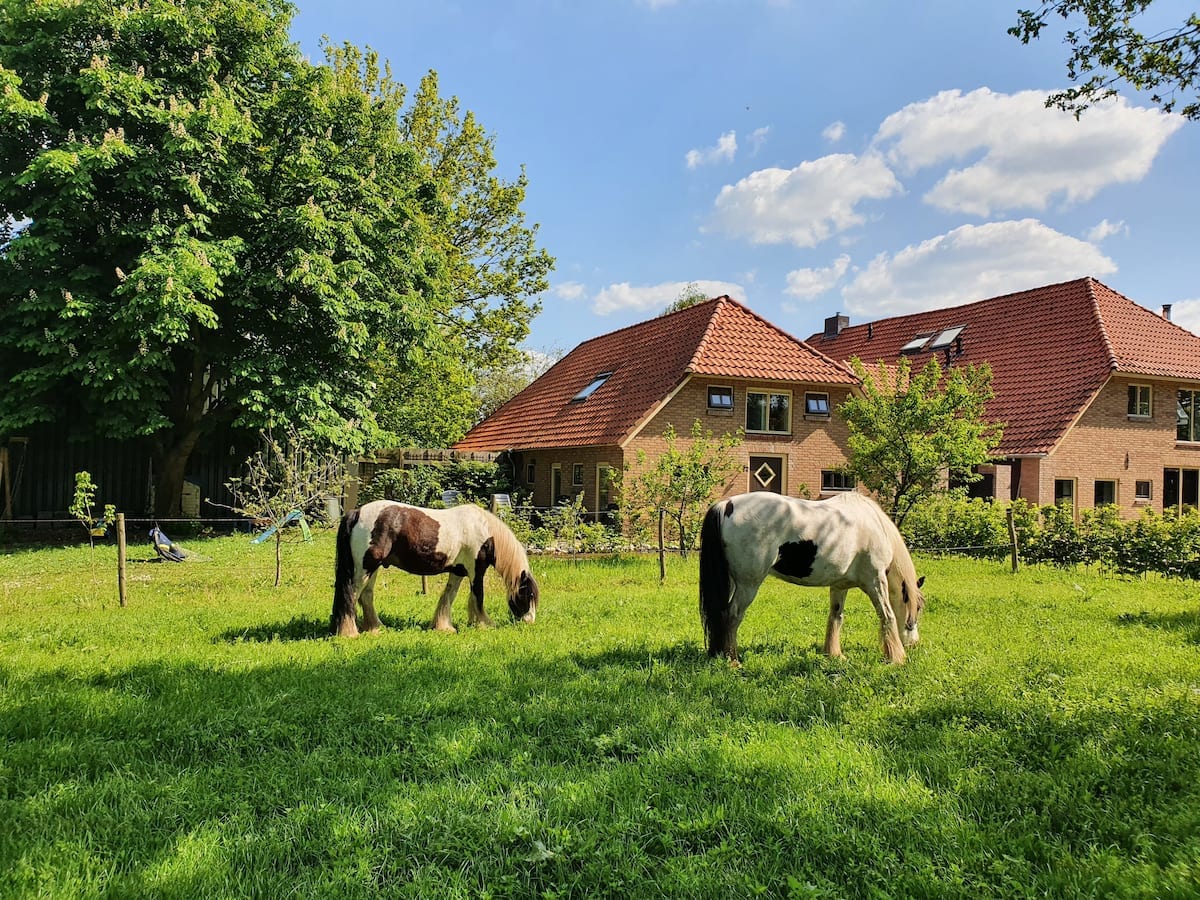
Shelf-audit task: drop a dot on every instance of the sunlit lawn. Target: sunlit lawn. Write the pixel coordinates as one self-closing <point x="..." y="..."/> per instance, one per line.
<point x="210" y="740"/>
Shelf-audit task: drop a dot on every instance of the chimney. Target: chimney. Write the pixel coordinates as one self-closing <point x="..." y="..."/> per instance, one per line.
<point x="834" y="324"/>
<point x="1166" y="313"/>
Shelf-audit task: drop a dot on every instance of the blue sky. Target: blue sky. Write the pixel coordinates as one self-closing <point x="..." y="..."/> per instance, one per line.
<point x="867" y="158"/>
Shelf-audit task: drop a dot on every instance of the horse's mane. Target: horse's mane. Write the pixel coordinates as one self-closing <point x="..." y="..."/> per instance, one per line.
<point x="901" y="558"/>
<point x="511" y="559"/>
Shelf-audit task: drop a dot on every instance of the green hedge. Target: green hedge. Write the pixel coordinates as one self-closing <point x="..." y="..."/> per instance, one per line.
<point x="1166" y="543"/>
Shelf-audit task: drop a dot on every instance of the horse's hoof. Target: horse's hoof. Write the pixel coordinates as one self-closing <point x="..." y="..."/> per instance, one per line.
<point x="444" y="628"/>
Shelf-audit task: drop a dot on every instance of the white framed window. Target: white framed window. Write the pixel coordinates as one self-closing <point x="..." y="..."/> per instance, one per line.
<point x="1064" y="492"/>
<point x="1139" y="401"/>
<point x="1141" y="491"/>
<point x="835" y="480"/>
<point x="816" y="404"/>
<point x="769" y="412"/>
<point x="577" y="474"/>
<point x="1187" y="422"/>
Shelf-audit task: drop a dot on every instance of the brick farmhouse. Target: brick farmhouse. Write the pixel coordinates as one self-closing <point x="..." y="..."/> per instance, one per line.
<point x="1100" y="398"/>
<point x="617" y="394"/>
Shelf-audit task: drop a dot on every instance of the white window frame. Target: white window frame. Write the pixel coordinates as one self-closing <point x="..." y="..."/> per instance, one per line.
<point x="1135" y="401"/>
<point x="768" y="394"/>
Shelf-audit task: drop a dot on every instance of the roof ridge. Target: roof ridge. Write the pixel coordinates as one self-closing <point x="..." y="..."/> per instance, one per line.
<point x="645" y="322"/>
<point x="1089" y="286"/>
<point x="708" y="331"/>
<point x="799" y="342"/>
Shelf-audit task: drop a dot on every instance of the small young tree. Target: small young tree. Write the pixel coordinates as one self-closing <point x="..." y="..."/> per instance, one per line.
<point x="683" y="480"/>
<point x="911" y="431"/>
<point x="282" y="477"/>
<point x="81" y="508"/>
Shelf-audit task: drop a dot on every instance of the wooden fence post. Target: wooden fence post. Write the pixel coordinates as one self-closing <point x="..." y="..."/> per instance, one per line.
<point x="1012" y="539"/>
<point x="121" y="557"/>
<point x="662" y="560"/>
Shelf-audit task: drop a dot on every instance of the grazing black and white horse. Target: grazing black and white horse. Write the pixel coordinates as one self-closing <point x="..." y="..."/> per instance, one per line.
<point x="462" y="542"/>
<point x="843" y="542"/>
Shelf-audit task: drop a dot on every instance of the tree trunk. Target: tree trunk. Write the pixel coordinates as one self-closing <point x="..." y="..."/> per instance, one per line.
<point x="172" y="462"/>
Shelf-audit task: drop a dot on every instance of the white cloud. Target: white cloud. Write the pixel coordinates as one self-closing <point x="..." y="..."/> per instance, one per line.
<point x="970" y="263"/>
<point x="1106" y="229"/>
<point x="723" y="151"/>
<point x="811" y="282"/>
<point x="834" y="132"/>
<point x="1186" y="314"/>
<point x="625" y="296"/>
<point x="757" y="138"/>
<point x="805" y="205"/>
<point x="568" y="290"/>
<point x="1022" y="155"/>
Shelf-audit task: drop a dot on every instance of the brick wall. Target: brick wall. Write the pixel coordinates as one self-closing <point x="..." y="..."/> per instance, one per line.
<point x="1108" y="444"/>
<point x="815" y="443"/>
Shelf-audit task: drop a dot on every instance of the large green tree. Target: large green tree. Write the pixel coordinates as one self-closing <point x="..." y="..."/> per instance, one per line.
<point x="218" y="232"/>
<point x="1109" y="45"/>
<point x="494" y="272"/>
<point x="910" y="432"/>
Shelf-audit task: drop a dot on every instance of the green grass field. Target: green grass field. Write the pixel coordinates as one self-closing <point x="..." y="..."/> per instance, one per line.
<point x="209" y="739"/>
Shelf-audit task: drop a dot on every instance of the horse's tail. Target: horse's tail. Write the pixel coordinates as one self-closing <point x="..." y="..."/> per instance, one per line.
<point x="343" y="574"/>
<point x="714" y="581"/>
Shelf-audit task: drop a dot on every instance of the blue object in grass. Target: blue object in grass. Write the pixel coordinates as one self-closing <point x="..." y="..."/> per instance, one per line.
<point x="165" y="547"/>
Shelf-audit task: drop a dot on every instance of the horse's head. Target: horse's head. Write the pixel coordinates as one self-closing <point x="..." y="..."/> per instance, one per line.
<point x="908" y="609"/>
<point x="522" y="602"/>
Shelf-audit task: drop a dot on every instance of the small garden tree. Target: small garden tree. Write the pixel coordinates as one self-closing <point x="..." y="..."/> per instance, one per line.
<point x="911" y="431"/>
<point x="81" y="509"/>
<point x="283" y="477"/>
<point x="682" y="480"/>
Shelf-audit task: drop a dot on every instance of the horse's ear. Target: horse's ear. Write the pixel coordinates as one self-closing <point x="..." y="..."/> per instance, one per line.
<point x="920" y="581"/>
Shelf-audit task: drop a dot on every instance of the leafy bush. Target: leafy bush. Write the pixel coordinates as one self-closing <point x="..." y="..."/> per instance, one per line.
<point x="420" y="486"/>
<point x="1166" y="543"/>
<point x="953" y="523"/>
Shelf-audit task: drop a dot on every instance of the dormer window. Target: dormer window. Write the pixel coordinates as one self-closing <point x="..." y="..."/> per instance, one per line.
<point x="592" y="387"/>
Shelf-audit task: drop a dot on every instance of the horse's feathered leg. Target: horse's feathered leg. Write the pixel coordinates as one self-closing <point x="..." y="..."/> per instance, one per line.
<point x="441" y="615"/>
<point x="475" y="613"/>
<point x="833" y="629"/>
<point x="347" y="581"/>
<point x="893" y="650"/>
<point x="367" y="599"/>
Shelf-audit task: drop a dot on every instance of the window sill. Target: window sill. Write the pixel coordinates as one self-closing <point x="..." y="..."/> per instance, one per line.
<point x="713" y="411"/>
<point x="779" y="434"/>
<point x="1187" y="445"/>
<point x="1136" y="418"/>
<point x="817" y="417"/>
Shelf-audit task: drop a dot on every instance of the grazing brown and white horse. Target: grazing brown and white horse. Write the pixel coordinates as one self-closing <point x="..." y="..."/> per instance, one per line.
<point x="843" y="542"/>
<point x="461" y="541"/>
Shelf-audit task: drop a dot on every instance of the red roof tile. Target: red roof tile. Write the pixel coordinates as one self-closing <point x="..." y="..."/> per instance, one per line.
<point x="719" y="337"/>
<point x="1050" y="348"/>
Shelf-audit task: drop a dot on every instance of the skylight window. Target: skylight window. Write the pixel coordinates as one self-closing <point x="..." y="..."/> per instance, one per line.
<point x="917" y="344"/>
<point x="591" y="388"/>
<point x="947" y="337"/>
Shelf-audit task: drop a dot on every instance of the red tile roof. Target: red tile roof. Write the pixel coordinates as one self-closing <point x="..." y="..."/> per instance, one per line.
<point x="1051" y="349"/>
<point x="719" y="337"/>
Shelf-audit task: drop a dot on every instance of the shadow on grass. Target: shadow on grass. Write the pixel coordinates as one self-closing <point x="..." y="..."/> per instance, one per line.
<point x="1186" y="622"/>
<point x="305" y="628"/>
